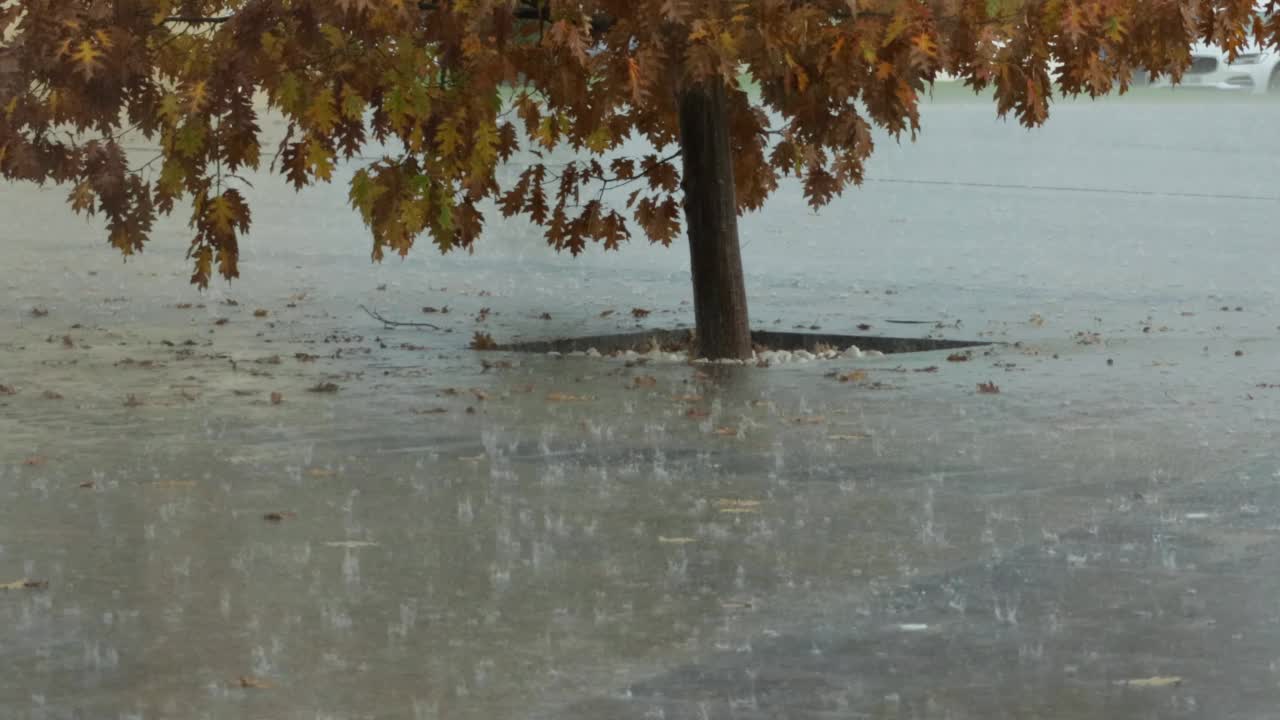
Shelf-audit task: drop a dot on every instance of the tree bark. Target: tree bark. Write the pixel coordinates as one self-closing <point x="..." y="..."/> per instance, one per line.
<point x="711" y="213"/>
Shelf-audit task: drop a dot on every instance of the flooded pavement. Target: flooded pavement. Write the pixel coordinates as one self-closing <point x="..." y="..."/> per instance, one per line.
<point x="403" y="532"/>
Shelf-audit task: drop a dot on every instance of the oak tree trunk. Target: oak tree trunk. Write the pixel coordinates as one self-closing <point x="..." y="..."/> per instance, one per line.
<point x="710" y="208"/>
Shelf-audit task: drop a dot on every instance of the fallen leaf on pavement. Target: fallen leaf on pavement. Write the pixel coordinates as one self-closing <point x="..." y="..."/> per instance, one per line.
<point x="988" y="388"/>
<point x="959" y="357"/>
<point x="260" y="313"/>
<point x="638" y="313"/>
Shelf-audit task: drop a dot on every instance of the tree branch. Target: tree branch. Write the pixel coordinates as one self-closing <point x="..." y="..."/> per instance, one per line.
<point x="398" y="323"/>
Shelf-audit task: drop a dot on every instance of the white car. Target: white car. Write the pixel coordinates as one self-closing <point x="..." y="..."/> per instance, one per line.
<point x="1255" y="70"/>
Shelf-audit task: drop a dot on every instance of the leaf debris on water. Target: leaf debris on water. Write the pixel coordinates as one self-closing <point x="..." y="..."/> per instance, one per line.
<point x="483" y="341"/>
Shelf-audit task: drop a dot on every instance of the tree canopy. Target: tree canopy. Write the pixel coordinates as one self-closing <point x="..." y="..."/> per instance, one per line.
<point x="450" y="89"/>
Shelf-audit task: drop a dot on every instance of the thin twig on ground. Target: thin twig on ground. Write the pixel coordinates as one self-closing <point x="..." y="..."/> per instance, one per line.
<point x="398" y="323"/>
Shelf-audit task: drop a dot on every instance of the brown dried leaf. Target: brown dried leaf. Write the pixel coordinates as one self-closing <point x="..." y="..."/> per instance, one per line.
<point x="260" y="313"/>
<point x="960" y="357"/>
<point x="277" y="398"/>
<point x="639" y="313"/>
<point x="483" y="341"/>
<point x="988" y="388"/>
<point x="251" y="682"/>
